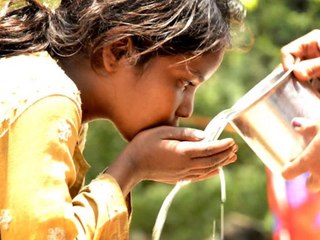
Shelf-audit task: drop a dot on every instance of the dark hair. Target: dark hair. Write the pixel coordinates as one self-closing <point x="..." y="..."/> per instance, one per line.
<point x="155" y="26"/>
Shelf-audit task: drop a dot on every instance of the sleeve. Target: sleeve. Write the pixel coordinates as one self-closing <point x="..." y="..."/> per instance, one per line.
<point x="38" y="171"/>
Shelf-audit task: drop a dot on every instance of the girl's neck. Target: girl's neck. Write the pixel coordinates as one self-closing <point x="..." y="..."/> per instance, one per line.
<point x="78" y="68"/>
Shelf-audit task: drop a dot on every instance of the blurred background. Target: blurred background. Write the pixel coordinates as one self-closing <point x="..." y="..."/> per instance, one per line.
<point x="269" y="25"/>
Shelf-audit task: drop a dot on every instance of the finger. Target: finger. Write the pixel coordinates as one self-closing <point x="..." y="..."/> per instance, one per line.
<point x="313" y="183"/>
<point x="294" y="168"/>
<point x="308" y="128"/>
<point x="181" y="134"/>
<point x="307" y="46"/>
<point x="308" y="160"/>
<point x="305" y="125"/>
<point x="211" y="173"/>
<point x="204" y="149"/>
<point x="307" y="69"/>
<point x="231" y="159"/>
<point x="205" y="165"/>
<point x="214" y="161"/>
<point x="198" y="178"/>
<point x="203" y="174"/>
<point x="287" y="60"/>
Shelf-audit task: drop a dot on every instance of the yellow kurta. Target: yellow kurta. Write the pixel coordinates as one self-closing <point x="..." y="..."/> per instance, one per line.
<point x="41" y="164"/>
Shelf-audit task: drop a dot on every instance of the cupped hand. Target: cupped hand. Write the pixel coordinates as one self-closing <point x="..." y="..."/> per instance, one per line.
<point x="170" y="154"/>
<point x="308" y="160"/>
<point x="307" y="50"/>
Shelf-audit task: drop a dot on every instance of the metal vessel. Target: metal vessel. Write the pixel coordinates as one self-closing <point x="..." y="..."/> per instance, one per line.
<point x="263" y="117"/>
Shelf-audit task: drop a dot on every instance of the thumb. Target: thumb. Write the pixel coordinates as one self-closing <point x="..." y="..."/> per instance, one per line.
<point x="307" y="69"/>
<point x="308" y="128"/>
<point x="313" y="183"/>
<point x="182" y="134"/>
<point x="306" y="161"/>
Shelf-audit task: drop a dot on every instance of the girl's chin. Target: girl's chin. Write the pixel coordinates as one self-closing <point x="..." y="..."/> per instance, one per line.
<point x="128" y="136"/>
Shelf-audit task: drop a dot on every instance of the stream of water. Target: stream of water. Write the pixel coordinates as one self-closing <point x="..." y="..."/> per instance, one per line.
<point x="213" y="132"/>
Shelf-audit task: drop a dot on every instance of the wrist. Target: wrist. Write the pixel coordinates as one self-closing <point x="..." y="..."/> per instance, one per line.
<point x="123" y="171"/>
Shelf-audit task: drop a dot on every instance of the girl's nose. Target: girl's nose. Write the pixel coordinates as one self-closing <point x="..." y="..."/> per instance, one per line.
<point x="185" y="109"/>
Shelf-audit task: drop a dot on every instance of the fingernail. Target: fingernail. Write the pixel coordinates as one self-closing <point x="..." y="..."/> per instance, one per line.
<point x="235" y="148"/>
<point x="299" y="122"/>
<point x="232" y="158"/>
<point x="295" y="123"/>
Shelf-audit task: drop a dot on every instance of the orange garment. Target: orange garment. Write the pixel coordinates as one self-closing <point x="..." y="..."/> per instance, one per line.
<point x="41" y="164"/>
<point x="295" y="210"/>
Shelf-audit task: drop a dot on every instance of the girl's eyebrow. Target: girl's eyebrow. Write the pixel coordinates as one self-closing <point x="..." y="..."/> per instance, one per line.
<point x="195" y="73"/>
<point x="199" y="76"/>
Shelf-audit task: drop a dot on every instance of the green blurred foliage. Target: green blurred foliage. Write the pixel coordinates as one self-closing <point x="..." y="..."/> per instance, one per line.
<point x="16" y="4"/>
<point x="270" y="24"/>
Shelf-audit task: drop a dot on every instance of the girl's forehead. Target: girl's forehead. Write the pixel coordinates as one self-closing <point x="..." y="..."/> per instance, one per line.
<point x="198" y="65"/>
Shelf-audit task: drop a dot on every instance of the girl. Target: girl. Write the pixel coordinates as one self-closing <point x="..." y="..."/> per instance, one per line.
<point x="135" y="63"/>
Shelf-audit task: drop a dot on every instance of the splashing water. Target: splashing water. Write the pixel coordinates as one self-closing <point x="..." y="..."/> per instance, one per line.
<point x="213" y="132"/>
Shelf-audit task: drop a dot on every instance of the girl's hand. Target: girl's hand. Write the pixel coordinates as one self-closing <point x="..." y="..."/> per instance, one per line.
<point x="170" y="154"/>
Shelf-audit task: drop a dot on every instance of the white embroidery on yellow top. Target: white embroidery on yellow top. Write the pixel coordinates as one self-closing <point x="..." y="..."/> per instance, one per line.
<point x="5" y="219"/>
<point x="28" y="85"/>
<point x="56" y="234"/>
<point x="64" y="130"/>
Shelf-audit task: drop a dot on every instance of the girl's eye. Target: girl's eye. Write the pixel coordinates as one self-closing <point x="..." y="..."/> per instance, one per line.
<point x="187" y="83"/>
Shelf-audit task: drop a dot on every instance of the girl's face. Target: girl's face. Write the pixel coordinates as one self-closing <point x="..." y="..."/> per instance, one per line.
<point x="160" y="93"/>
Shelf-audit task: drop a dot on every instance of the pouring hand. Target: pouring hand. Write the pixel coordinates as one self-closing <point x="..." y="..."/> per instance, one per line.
<point x="307" y="49"/>
<point x="170" y="154"/>
<point x="308" y="160"/>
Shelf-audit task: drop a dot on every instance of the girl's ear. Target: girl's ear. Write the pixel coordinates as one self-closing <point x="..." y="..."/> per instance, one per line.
<point x="115" y="53"/>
